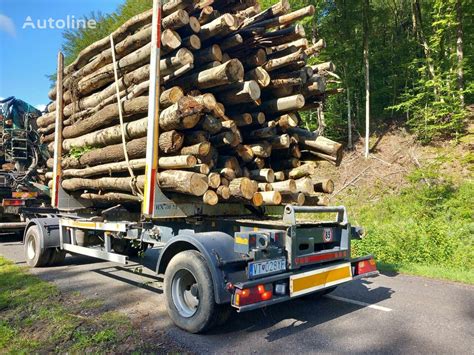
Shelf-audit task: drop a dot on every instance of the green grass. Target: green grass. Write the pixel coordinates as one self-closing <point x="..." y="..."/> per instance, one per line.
<point x="36" y="317"/>
<point x="426" y="230"/>
<point x="431" y="271"/>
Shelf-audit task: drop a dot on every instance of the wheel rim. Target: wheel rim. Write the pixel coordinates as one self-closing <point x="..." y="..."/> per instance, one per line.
<point x="31" y="248"/>
<point x="185" y="293"/>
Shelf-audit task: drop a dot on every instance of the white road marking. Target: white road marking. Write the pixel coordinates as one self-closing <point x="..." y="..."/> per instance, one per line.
<point x="359" y="303"/>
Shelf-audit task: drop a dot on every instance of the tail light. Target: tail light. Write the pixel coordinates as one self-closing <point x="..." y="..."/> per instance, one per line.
<point x="12" y="202"/>
<point x="365" y="266"/>
<point x="246" y="296"/>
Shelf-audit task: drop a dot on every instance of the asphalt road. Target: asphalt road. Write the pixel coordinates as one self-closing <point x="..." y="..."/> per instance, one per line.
<point x="394" y="314"/>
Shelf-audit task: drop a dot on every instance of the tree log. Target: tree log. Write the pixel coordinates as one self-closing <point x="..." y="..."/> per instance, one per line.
<point x="324" y="185"/>
<point x="262" y="175"/>
<point x="305" y="185"/>
<point x="294" y="199"/>
<point x="243" y="188"/>
<point x="285" y="186"/>
<point x="183" y="181"/>
<point x="271" y="198"/>
<point x="184" y="114"/>
<point x="106" y="117"/>
<point x="226" y="73"/>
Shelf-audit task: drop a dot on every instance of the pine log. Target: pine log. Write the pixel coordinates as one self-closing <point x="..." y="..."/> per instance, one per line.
<point x="279" y="175"/>
<point x="177" y="162"/>
<point x="199" y="168"/>
<point x="106" y="117"/>
<point x="226" y="73"/>
<point x="265" y="186"/>
<point x="302" y="171"/>
<point x="214" y="180"/>
<point x="280" y="142"/>
<point x="111" y="197"/>
<point x="315" y="48"/>
<point x="297" y="199"/>
<point x="278" y="63"/>
<point x="285" y="186"/>
<point x="210" y="124"/>
<point x="305" y="185"/>
<point x="171" y="141"/>
<point x="262" y="175"/>
<point x="245" y="152"/>
<point x="207" y="100"/>
<point x="271" y="198"/>
<point x="278" y="9"/>
<point x="324" y="185"/>
<point x="174" y="5"/>
<point x="288" y="18"/>
<point x="210" y="198"/>
<point x="196" y="137"/>
<point x="170" y="96"/>
<point x="175" y="20"/>
<point x="243" y="188"/>
<point x="105" y="169"/>
<point x="262" y="150"/>
<point x="231" y="42"/>
<point x="205" y="15"/>
<point x="94" y="49"/>
<point x="284" y="104"/>
<point x="103" y="184"/>
<point x="316" y="200"/>
<point x="223" y="192"/>
<point x="184" y="114"/>
<point x="285" y="164"/>
<point x="218" y="26"/>
<point x="243" y="119"/>
<point x="247" y="91"/>
<point x="260" y="75"/>
<point x="288" y="121"/>
<point x="183" y="181"/>
<point x="193" y="43"/>
<point x="209" y="54"/>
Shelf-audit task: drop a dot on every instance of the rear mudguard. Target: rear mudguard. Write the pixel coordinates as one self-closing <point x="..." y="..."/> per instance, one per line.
<point x="48" y="229"/>
<point x="216" y="247"/>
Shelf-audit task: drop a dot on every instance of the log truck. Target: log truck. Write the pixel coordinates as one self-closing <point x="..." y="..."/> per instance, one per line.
<point x="21" y="157"/>
<point x="213" y="258"/>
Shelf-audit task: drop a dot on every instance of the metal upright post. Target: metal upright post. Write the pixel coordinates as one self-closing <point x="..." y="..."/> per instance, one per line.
<point x="58" y="134"/>
<point x="152" y="150"/>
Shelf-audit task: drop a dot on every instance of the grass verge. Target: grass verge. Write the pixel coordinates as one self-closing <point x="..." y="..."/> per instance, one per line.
<point x="36" y="317"/>
<point x="430" y="271"/>
<point x="426" y="230"/>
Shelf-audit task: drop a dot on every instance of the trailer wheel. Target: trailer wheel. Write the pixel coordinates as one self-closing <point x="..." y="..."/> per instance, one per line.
<point x="190" y="293"/>
<point x="34" y="255"/>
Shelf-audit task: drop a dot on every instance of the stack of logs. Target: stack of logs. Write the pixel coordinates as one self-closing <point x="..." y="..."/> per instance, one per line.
<point x="233" y="79"/>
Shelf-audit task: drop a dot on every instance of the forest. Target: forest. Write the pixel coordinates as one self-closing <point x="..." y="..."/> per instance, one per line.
<point x="418" y="55"/>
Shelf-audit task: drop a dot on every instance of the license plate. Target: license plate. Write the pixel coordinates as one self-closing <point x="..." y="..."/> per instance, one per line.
<point x="311" y="281"/>
<point x="267" y="267"/>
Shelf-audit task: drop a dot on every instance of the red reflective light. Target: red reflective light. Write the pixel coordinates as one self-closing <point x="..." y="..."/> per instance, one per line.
<point x="246" y="296"/>
<point x="366" y="266"/>
<point x="12" y="202"/>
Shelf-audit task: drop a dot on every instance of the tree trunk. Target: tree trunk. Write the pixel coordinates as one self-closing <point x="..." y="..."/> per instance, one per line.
<point x="367" y="76"/>
<point x="460" y="51"/>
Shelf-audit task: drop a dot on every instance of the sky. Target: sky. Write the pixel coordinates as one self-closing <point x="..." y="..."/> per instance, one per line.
<point x="27" y="55"/>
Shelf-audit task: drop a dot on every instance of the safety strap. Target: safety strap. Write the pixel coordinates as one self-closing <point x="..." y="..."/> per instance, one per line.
<point x="133" y="183"/>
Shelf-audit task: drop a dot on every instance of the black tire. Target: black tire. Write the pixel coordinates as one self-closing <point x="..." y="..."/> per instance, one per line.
<point x="57" y="257"/>
<point x="191" y="264"/>
<point x="35" y="257"/>
<point x="127" y="247"/>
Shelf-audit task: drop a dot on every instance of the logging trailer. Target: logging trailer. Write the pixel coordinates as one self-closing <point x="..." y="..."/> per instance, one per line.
<point x="211" y="256"/>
